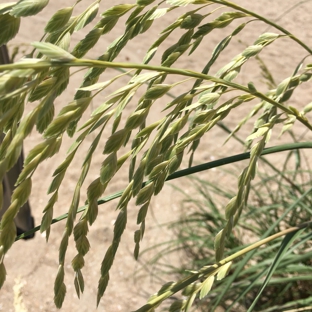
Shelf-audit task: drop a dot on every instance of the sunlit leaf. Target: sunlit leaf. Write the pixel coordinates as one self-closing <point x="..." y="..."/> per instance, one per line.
<point x="28" y="7"/>
<point x="223" y="271"/>
<point x="118" y="10"/>
<point x="87" y="16"/>
<point x="52" y="51"/>
<point x="6" y="7"/>
<point x="206" y="286"/>
<point x="59" y="19"/>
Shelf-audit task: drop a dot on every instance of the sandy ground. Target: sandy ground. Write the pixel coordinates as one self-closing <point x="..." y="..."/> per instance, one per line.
<point x="32" y="265"/>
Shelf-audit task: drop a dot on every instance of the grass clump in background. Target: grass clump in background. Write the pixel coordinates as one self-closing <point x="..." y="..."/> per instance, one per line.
<point x="279" y="197"/>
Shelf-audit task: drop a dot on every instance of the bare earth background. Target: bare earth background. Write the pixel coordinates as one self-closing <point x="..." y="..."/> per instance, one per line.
<point x="32" y="265"/>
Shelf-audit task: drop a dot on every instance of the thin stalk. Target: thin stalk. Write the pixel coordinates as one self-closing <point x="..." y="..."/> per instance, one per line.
<point x="238" y="157"/>
<point x="176" y="71"/>
<point x="263" y="19"/>
<point x="186" y="172"/>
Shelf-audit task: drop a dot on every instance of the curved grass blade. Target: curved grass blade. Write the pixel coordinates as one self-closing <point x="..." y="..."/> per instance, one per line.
<point x="287" y="241"/>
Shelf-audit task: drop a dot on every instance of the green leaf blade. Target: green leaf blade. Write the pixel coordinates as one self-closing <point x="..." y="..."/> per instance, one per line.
<point x="9" y="27"/>
<point x="59" y="19"/>
<point x="52" y="51"/>
<point x="28" y="7"/>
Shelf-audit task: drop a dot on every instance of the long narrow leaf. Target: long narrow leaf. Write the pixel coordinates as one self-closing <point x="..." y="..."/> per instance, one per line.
<point x="287" y="241"/>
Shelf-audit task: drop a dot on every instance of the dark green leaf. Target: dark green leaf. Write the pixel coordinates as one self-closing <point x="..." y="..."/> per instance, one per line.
<point x="287" y="241"/>
<point x="9" y="27"/>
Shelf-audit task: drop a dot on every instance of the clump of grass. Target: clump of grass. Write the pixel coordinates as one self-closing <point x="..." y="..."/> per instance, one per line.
<point x="279" y="198"/>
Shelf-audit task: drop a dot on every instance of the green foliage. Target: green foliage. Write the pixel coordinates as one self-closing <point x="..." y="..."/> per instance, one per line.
<point x="286" y="272"/>
<point x="154" y="150"/>
<point x="10" y="27"/>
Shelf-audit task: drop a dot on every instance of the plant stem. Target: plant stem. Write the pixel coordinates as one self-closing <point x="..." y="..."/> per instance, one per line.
<point x="176" y="71"/>
<point x="186" y="172"/>
<point x="261" y="18"/>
